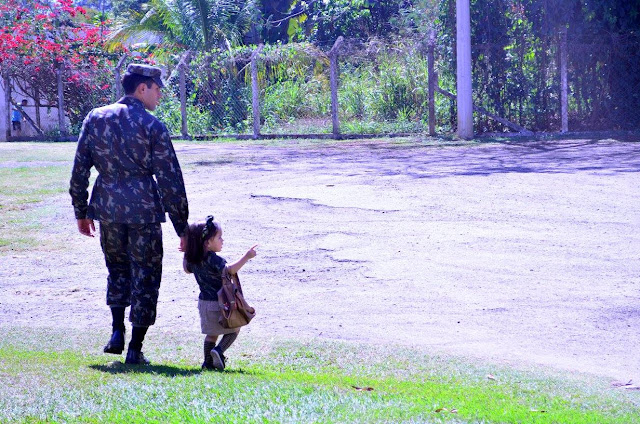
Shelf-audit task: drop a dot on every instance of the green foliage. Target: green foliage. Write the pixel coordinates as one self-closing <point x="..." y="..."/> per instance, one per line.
<point x="416" y="18"/>
<point x="291" y="99"/>
<point x="515" y="59"/>
<point x="516" y="66"/>
<point x="327" y="20"/>
<point x="216" y="85"/>
<point x="168" y="111"/>
<point x="391" y="89"/>
<point x="273" y="27"/>
<point x="195" y="24"/>
<point x="126" y="8"/>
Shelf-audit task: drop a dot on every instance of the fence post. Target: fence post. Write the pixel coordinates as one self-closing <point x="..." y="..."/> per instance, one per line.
<point x="62" y="124"/>
<point x="255" y="91"/>
<point x="564" y="95"/>
<point x="333" y="72"/>
<point x="117" y="77"/>
<point x="7" y="102"/>
<point x="183" y="92"/>
<point x="432" y="84"/>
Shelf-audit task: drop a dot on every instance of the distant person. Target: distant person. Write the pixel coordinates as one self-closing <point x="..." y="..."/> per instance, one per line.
<point x="139" y="180"/>
<point x="204" y="241"/>
<point x="17" y="118"/>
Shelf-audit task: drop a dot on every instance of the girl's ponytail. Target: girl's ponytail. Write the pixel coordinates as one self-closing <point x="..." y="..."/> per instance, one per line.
<point x="194" y="253"/>
<point x="197" y="236"/>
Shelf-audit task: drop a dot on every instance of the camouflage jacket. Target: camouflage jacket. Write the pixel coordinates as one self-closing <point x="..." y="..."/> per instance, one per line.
<point x="128" y="147"/>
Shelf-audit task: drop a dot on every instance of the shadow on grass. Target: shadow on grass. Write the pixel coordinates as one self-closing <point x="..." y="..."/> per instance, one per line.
<point x="118" y="367"/>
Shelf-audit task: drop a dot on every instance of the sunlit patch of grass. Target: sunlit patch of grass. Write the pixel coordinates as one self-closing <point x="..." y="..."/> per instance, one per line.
<point x="24" y="192"/>
<point x="33" y="177"/>
<point x="283" y="381"/>
<point x="36" y="152"/>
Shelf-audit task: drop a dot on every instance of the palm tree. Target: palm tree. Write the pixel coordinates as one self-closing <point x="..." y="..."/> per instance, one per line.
<point x="198" y="25"/>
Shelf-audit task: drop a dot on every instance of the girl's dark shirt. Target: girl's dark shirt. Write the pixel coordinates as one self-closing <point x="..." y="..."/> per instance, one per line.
<point x="208" y="274"/>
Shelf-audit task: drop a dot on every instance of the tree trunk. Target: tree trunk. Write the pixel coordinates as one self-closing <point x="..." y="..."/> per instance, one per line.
<point x="7" y="103"/>
<point x="36" y="100"/>
<point x="61" y="121"/>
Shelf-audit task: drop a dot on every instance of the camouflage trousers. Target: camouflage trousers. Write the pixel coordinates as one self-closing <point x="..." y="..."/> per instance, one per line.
<point x="133" y="254"/>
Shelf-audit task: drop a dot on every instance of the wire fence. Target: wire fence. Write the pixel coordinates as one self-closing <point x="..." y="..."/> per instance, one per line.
<point x="357" y="89"/>
<point x="353" y="89"/>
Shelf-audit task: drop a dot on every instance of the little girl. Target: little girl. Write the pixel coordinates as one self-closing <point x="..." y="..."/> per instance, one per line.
<point x="204" y="241"/>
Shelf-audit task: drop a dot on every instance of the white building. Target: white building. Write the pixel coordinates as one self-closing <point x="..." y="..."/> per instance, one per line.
<point x="48" y="115"/>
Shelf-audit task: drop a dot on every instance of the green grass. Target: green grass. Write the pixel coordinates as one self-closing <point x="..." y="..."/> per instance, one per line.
<point x="33" y="177"/>
<point x="27" y="184"/>
<point x="47" y="377"/>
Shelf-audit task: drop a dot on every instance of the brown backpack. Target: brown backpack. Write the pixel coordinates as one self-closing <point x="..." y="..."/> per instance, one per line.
<point x="234" y="310"/>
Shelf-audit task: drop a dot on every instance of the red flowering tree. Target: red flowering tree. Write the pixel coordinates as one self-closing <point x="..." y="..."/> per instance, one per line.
<point x="38" y="37"/>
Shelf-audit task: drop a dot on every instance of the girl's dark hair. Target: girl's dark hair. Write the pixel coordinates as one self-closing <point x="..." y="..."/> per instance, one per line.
<point x="197" y="236"/>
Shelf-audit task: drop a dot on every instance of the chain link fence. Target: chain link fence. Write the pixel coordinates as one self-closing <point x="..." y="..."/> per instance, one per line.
<point x="357" y="89"/>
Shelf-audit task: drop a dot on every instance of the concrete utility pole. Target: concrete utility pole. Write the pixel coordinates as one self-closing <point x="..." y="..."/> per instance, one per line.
<point x="463" y="54"/>
<point x="564" y="85"/>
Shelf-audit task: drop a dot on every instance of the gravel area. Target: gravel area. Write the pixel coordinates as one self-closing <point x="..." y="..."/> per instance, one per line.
<point x="521" y="253"/>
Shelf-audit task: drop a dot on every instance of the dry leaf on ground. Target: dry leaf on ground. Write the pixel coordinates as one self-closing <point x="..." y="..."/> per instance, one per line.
<point x="363" y="389"/>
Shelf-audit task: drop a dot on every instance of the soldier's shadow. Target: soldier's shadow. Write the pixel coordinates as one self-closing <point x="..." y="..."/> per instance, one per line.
<point x="118" y="367"/>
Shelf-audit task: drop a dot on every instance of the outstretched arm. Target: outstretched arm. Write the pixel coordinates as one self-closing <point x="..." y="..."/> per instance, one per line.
<point x="235" y="267"/>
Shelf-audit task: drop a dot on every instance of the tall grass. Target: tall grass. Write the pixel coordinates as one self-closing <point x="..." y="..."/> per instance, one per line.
<point x="379" y="93"/>
<point x="198" y="121"/>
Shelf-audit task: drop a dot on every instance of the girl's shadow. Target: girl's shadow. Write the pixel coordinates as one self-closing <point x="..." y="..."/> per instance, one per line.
<point x="118" y="367"/>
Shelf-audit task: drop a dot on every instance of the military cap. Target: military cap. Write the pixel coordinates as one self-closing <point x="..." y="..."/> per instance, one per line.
<point x="152" y="72"/>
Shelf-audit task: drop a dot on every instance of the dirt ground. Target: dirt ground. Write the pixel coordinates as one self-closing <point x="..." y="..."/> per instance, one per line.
<point x="520" y="253"/>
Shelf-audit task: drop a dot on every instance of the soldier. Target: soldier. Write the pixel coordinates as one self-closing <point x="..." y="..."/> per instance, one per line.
<point x="128" y="147"/>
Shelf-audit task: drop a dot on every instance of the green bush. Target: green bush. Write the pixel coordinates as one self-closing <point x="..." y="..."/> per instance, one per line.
<point x="289" y="99"/>
<point x="386" y="93"/>
<point x="168" y="111"/>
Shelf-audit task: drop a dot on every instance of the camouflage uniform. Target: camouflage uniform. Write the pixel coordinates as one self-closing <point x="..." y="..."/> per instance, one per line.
<point x="128" y="147"/>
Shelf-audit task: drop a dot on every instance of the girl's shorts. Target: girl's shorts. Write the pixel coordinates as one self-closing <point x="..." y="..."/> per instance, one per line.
<point x="210" y="318"/>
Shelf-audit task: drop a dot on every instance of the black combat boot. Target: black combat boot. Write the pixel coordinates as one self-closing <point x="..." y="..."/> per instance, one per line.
<point x="134" y="354"/>
<point x="136" y="357"/>
<point x="116" y="343"/>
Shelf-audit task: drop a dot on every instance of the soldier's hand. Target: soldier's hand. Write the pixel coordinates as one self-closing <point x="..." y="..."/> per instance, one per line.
<point x="86" y="227"/>
<point x="183" y="244"/>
